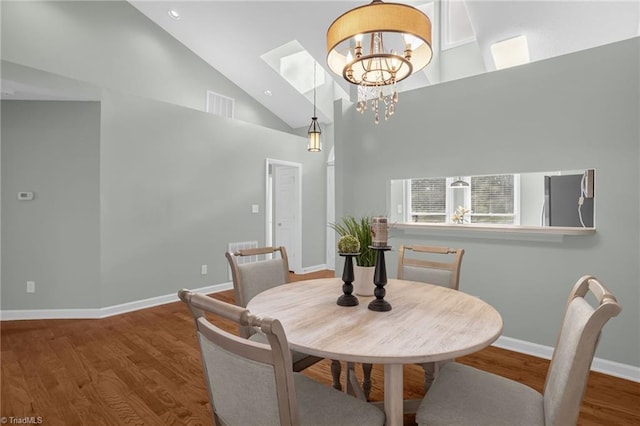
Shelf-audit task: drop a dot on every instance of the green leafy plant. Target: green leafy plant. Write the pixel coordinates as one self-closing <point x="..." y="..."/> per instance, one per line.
<point x="361" y="229"/>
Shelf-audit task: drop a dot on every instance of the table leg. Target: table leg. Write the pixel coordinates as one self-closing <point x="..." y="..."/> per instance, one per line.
<point x="393" y="394"/>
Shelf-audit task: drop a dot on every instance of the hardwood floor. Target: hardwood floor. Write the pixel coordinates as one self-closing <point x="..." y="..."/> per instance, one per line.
<point x="143" y="368"/>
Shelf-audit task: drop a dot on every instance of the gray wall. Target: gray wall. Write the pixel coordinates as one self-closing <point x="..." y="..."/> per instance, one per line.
<point x="572" y="112"/>
<point x="177" y="186"/>
<point x="112" y="45"/>
<point x="132" y="196"/>
<point x="51" y="149"/>
<point x="172" y="185"/>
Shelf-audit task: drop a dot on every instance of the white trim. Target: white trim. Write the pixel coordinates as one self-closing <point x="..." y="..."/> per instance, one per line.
<point x="296" y="264"/>
<point x="496" y="232"/>
<point x="97" y="313"/>
<point x="315" y="268"/>
<point x="445" y="27"/>
<point x="612" y="368"/>
<point x="330" y="247"/>
<point x="268" y="203"/>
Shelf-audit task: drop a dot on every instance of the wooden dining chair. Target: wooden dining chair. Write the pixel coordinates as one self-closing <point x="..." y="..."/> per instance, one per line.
<point x="464" y="395"/>
<point x="251" y="383"/>
<point x="270" y="268"/>
<point x="424" y="264"/>
<point x="444" y="272"/>
<point x="424" y="267"/>
<point x="267" y="268"/>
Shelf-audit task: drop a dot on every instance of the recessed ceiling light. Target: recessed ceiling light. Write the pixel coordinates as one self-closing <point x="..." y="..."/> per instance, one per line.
<point x="268" y="92"/>
<point x="174" y="14"/>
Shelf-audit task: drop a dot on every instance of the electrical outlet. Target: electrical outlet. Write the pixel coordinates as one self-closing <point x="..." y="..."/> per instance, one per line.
<point x="204" y="269"/>
<point x="31" y="286"/>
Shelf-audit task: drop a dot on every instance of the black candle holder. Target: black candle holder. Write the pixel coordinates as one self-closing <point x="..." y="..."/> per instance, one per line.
<point x="380" y="280"/>
<point x="347" y="299"/>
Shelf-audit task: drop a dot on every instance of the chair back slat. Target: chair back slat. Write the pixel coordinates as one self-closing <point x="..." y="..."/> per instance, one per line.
<point x="250" y="279"/>
<point x="435" y="276"/>
<point x="443" y="273"/>
<point x="575" y="348"/>
<point x="256" y="277"/>
<point x="257" y="251"/>
<point x="427" y="264"/>
<point x="430" y="249"/>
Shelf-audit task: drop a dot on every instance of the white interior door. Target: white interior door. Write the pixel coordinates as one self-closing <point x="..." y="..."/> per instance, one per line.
<point x="286" y="212"/>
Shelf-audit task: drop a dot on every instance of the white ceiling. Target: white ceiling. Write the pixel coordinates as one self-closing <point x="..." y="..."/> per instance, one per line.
<point x="232" y="35"/>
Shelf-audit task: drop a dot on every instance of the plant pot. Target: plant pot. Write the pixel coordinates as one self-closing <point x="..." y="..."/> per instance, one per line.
<point x="363" y="280"/>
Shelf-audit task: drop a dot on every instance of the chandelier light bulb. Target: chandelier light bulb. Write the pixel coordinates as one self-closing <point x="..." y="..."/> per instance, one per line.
<point x="395" y="63"/>
<point x="412" y="41"/>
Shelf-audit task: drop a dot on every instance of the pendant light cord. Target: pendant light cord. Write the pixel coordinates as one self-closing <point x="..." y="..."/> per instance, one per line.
<point x="314" y="87"/>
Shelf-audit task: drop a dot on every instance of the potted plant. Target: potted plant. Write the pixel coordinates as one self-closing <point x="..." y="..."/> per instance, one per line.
<point x="460" y="215"/>
<point x="366" y="260"/>
<point x="348" y="244"/>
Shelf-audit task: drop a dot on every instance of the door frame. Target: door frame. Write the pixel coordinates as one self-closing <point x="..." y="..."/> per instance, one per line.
<point x="296" y="265"/>
<point x="330" y="258"/>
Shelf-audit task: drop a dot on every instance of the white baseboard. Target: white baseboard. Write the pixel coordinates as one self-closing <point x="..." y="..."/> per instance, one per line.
<point x="612" y="368"/>
<point x="97" y="313"/>
<point x="624" y="371"/>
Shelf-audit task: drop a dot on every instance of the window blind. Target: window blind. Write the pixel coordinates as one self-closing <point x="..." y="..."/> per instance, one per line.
<point x="428" y="200"/>
<point x="492" y="198"/>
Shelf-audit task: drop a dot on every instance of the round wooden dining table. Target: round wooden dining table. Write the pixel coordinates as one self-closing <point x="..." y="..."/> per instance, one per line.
<point x="426" y="323"/>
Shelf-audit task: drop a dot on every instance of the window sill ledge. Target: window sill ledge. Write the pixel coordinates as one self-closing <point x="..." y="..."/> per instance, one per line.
<point x="494" y="231"/>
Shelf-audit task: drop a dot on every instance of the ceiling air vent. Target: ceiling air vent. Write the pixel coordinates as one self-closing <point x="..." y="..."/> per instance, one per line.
<point x="218" y="104"/>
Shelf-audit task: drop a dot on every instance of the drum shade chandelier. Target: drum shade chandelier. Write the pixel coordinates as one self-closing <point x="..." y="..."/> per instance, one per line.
<point x="377" y="45"/>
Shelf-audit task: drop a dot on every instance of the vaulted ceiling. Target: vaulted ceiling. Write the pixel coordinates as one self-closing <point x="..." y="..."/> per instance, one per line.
<point x="269" y="48"/>
<point x="234" y="36"/>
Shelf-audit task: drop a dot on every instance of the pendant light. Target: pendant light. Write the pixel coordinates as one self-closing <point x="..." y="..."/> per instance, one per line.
<point x="313" y="134"/>
<point x="460" y="183"/>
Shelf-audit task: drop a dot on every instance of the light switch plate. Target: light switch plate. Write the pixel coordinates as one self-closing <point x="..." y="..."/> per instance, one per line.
<point x="255" y="208"/>
<point x="25" y="195"/>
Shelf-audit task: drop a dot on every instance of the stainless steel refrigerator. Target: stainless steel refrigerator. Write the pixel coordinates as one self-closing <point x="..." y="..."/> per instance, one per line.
<point x="569" y="200"/>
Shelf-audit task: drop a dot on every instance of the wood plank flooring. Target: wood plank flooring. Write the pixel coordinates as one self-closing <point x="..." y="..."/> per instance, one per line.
<point x="143" y="368"/>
